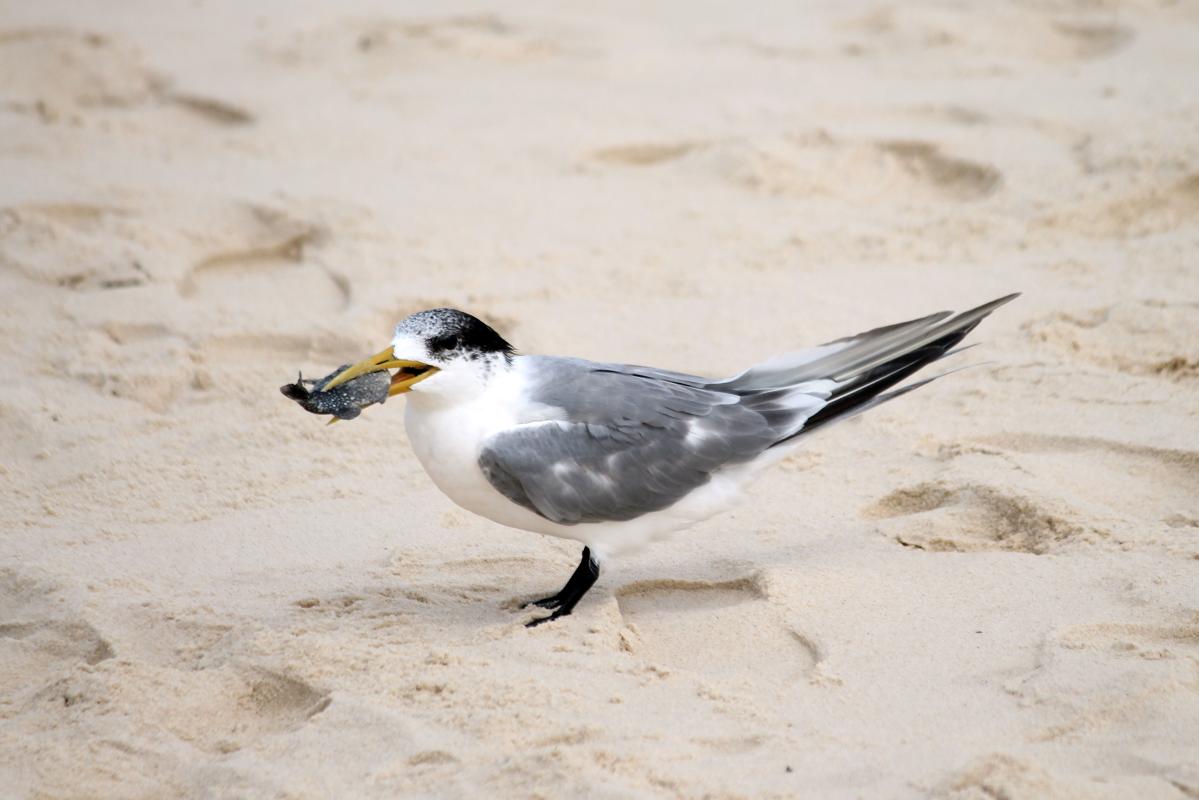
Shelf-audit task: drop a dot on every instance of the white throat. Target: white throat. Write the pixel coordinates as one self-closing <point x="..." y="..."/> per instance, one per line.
<point x="461" y="381"/>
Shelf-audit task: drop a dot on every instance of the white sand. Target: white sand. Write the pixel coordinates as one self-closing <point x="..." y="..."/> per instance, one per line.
<point x="987" y="589"/>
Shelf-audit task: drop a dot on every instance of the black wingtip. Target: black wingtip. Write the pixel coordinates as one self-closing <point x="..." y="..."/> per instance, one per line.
<point x="994" y="304"/>
<point x="867" y="388"/>
<point x="1007" y="298"/>
<point x="968" y="319"/>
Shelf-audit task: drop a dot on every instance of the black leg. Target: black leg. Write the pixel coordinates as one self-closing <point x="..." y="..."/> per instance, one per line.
<point x="580" y="575"/>
<point x="581" y="581"/>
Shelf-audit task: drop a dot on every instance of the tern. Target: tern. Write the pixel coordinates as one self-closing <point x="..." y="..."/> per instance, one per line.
<point x="615" y="456"/>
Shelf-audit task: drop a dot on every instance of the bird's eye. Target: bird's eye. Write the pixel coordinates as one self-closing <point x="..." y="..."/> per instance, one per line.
<point x="449" y="341"/>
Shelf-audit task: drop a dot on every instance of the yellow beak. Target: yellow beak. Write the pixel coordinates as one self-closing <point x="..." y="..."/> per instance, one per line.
<point x="411" y="372"/>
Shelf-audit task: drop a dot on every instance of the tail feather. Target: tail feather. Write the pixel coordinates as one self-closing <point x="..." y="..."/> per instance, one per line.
<point x="828" y="359"/>
<point x="843" y="358"/>
<point x="869" y="353"/>
<point x="873" y="362"/>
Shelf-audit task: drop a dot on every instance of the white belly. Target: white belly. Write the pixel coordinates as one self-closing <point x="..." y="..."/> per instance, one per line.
<point x="447" y="441"/>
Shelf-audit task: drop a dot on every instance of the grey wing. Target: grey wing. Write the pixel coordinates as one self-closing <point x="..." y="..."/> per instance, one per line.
<point x="629" y="444"/>
<point x="571" y="472"/>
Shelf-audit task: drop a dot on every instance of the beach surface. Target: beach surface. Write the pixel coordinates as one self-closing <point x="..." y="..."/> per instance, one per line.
<point x="985" y="589"/>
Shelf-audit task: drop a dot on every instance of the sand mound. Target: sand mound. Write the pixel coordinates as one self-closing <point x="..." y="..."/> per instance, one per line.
<point x="710" y="629"/>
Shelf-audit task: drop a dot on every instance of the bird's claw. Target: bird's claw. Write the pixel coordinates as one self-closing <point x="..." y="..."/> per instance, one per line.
<point x="533" y="623"/>
<point x="545" y="602"/>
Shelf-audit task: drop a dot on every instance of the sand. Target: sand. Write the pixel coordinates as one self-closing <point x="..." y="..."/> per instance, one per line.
<point x="986" y="589"/>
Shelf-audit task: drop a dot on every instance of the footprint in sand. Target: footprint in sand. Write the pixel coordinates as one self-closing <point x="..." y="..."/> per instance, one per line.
<point x="279" y="701"/>
<point x="214" y="700"/>
<point x="953" y="178"/>
<point x="817" y="164"/>
<point x="1113" y="678"/>
<point x="87" y="247"/>
<point x="720" y="631"/>
<point x="971" y="516"/>
<point x="58" y="68"/>
<point x="221" y="258"/>
<point x="384" y="44"/>
<point x="40" y="636"/>
<point x="999" y="776"/>
<point x="1145" y="337"/>
<point x="220" y="709"/>
<point x="1149" y="494"/>
<point x="60" y="73"/>
<point x="1143" y="212"/>
<point x="268" y="262"/>
<point x="1009" y="34"/>
<point x="1136" y="640"/>
<point x="182" y="641"/>
<point x="75" y="246"/>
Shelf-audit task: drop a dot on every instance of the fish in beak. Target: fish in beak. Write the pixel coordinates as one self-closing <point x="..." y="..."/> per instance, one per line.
<point x="349" y="389"/>
<point x="409" y="374"/>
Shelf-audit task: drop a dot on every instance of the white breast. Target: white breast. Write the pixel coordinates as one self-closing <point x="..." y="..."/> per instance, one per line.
<point x="447" y="439"/>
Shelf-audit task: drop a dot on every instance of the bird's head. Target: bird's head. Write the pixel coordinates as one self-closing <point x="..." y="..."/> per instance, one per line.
<point x="439" y="352"/>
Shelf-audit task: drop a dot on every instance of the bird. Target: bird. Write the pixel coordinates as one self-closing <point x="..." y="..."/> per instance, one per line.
<point x="615" y="456"/>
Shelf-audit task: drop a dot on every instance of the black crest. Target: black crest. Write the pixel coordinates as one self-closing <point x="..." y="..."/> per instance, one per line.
<point x="447" y="331"/>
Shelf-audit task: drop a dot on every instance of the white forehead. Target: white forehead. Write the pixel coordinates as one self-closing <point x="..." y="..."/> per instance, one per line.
<point x="405" y="345"/>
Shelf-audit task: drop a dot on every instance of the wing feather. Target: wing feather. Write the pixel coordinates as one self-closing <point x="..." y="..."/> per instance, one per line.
<point x="630" y="444"/>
